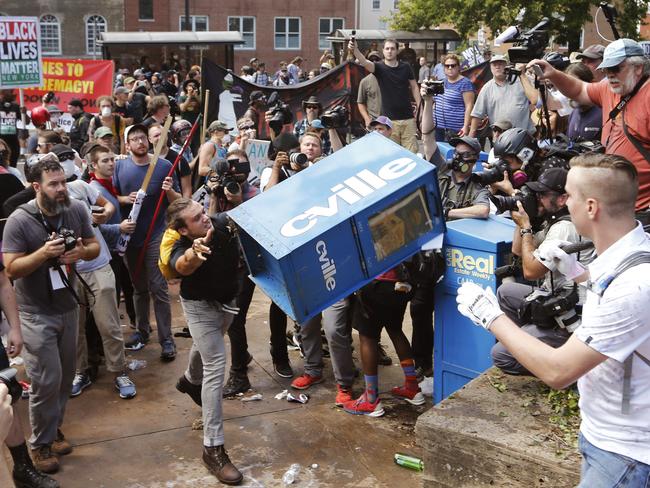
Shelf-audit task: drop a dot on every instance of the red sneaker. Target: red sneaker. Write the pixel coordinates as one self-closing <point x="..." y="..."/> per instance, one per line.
<point x="343" y="395"/>
<point x="361" y="406"/>
<point x="414" y="397"/>
<point x="305" y="381"/>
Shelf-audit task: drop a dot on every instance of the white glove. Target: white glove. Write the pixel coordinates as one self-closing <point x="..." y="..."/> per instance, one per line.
<point x="477" y="304"/>
<point x="554" y="258"/>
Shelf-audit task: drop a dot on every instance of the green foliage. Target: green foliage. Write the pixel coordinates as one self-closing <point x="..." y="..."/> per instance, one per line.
<point x="567" y="17"/>
<point x="566" y="415"/>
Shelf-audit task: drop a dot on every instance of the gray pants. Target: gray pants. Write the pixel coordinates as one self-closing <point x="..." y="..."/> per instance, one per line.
<point x="208" y="324"/>
<point x="337" y="332"/>
<point x="150" y="281"/>
<point x="511" y="296"/>
<point x="107" y="318"/>
<point x="50" y="356"/>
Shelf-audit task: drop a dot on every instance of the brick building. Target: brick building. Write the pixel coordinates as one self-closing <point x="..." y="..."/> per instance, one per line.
<point x="274" y="30"/>
<point x="69" y="27"/>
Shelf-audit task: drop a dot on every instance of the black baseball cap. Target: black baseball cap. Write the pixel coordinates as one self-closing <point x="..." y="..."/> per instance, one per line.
<point x="470" y="141"/>
<point x="552" y="179"/>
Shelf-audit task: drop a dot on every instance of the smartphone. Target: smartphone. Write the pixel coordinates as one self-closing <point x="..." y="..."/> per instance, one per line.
<point x="96" y="209"/>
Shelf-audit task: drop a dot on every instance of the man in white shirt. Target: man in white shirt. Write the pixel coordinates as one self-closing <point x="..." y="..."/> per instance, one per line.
<point x="609" y="354"/>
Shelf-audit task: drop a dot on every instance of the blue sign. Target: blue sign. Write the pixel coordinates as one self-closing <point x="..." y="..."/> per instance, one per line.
<point x="323" y="233"/>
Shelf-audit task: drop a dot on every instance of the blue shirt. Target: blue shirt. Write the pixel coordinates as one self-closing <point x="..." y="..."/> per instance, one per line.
<point x="127" y="178"/>
<point x="449" y="110"/>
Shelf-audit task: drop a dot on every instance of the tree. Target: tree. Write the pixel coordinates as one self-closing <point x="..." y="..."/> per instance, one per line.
<point x="566" y="17"/>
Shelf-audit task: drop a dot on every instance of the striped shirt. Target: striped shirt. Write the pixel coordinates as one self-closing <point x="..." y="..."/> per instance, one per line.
<point x="449" y="110"/>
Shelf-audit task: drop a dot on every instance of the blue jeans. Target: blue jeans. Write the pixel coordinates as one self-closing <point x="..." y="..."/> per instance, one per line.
<point x="208" y="324"/>
<point x="604" y="469"/>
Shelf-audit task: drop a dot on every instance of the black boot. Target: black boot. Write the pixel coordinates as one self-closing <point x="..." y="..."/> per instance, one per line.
<point x="237" y="383"/>
<point x="25" y="474"/>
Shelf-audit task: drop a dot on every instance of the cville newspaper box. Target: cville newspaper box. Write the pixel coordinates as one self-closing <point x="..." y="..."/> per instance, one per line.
<point x="328" y="230"/>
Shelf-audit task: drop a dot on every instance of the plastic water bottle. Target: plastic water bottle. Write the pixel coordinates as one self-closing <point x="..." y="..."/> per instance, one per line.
<point x="135" y="364"/>
<point x="290" y="476"/>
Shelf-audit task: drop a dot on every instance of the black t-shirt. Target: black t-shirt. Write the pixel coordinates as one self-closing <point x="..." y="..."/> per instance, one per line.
<point x="9" y="186"/>
<point x="395" y="87"/>
<point x="9" y="116"/>
<point x="216" y="278"/>
<point x="182" y="168"/>
<point x="136" y="107"/>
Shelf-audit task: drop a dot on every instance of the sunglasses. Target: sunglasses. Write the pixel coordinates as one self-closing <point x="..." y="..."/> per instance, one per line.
<point x="315" y="107"/>
<point x="451" y="66"/>
<point x="614" y="69"/>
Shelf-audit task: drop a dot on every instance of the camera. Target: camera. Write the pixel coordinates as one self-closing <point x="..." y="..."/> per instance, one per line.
<point x="434" y="87"/>
<point x="48" y="97"/>
<point x="335" y="118"/>
<point x="280" y="113"/>
<point x="548" y="309"/>
<point x="529" y="45"/>
<point x="8" y="377"/>
<point x="296" y="157"/>
<point x="69" y="240"/>
<point x="527" y="198"/>
<point x="493" y="174"/>
<point x="225" y="175"/>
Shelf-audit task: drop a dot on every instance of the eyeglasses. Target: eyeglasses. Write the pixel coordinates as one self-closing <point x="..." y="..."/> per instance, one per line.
<point x="451" y="66"/>
<point x="315" y="107"/>
<point x="137" y="138"/>
<point x="614" y="69"/>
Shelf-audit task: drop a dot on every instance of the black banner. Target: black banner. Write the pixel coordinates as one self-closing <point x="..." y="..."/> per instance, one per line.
<point x="229" y="94"/>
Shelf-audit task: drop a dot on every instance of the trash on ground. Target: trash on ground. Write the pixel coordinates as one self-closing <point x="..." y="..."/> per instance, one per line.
<point x="291" y="475"/>
<point x="281" y="395"/>
<point x="251" y="398"/>
<point x="135" y="364"/>
<point x="410" y="462"/>
<point x="300" y="398"/>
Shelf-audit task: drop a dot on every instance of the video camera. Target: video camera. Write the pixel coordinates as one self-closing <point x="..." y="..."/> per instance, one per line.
<point x="434" y="87"/>
<point x="335" y="118"/>
<point x="280" y="113"/>
<point x="224" y="176"/>
<point x="529" y="45"/>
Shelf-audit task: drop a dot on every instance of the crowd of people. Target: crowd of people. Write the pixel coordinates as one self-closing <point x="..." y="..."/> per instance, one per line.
<point x="95" y="220"/>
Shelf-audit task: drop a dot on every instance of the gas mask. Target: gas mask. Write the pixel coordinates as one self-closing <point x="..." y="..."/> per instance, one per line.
<point x="463" y="162"/>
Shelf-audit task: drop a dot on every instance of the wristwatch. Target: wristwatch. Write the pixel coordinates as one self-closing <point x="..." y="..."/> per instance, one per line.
<point x="523" y="232"/>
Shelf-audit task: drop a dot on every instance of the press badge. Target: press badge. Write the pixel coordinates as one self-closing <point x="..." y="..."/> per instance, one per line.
<point x="55" y="278"/>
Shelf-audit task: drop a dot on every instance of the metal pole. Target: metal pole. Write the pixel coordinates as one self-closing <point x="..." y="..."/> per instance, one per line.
<point x="94" y="37"/>
<point x="187" y="28"/>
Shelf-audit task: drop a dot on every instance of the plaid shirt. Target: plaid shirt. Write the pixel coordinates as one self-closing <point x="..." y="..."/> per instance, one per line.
<point x="261" y="79"/>
<point x="301" y="127"/>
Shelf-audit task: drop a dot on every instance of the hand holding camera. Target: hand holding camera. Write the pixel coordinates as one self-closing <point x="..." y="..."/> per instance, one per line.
<point x="433" y="87"/>
<point x="281" y="159"/>
<point x="73" y="255"/>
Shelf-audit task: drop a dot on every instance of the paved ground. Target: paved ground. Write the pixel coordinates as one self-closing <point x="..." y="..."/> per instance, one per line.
<point x="149" y="441"/>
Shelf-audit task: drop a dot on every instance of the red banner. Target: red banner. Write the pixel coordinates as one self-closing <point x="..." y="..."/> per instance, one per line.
<point x="85" y="79"/>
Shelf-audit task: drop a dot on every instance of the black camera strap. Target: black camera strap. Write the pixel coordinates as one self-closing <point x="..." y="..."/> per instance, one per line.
<point x="624" y="100"/>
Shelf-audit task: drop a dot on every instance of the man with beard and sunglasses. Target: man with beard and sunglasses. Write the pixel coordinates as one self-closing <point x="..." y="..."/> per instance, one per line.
<point x="626" y="131"/>
<point x="42" y="265"/>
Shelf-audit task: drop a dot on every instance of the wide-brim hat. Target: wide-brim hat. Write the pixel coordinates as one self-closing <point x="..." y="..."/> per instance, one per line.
<point x="312" y="101"/>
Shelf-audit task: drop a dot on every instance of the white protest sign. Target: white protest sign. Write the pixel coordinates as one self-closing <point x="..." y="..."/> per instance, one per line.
<point x="257" y="151"/>
<point x="20" y="53"/>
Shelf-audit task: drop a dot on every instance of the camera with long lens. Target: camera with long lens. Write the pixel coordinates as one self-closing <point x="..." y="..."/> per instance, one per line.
<point x="280" y="113"/>
<point x="69" y="239"/>
<point x="548" y="310"/>
<point x="8" y="377"/>
<point x="225" y="178"/>
<point x="335" y="118"/>
<point x="296" y="157"/>
<point x="493" y="174"/>
<point x="527" y="198"/>
<point x="434" y="87"/>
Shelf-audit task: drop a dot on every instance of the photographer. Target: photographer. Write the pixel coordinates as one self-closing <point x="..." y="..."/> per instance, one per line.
<point x="623" y="98"/>
<point x="37" y="247"/>
<point x="208" y="248"/>
<point x="609" y="354"/>
<point x="312" y="110"/>
<point x="256" y="106"/>
<point x="547" y="201"/>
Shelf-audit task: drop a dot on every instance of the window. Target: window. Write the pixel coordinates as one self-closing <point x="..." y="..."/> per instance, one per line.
<point x="376" y="4"/>
<point x="50" y="34"/>
<point x="582" y="37"/>
<point x="246" y="26"/>
<point x="145" y="10"/>
<point x="287" y="33"/>
<point x="95" y="24"/>
<point x="198" y="23"/>
<point x="327" y="26"/>
<point x="396" y="4"/>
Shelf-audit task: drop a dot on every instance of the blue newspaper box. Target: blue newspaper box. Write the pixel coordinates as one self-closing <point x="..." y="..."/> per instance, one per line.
<point x="447" y="152"/>
<point x="473" y="248"/>
<point x="331" y="228"/>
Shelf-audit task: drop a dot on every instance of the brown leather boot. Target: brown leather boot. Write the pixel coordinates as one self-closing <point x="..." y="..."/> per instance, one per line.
<point x="218" y="463"/>
<point x="45" y="460"/>
<point x="61" y="446"/>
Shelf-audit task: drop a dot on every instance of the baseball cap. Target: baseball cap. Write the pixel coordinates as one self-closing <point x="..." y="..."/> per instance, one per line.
<point x="87" y="147"/>
<point x="256" y="95"/>
<point x="618" y="51"/>
<point x="552" y="179"/>
<point x="53" y="109"/>
<point x="383" y="120"/>
<point x="218" y="125"/>
<point x="317" y="124"/>
<point x="470" y="141"/>
<point x="502" y="125"/>
<point x="130" y="128"/>
<point x="75" y="102"/>
<point x="498" y="57"/>
<point x="121" y="89"/>
<point x="128" y="80"/>
<point x="325" y="66"/>
<point x="66" y="157"/>
<point x="103" y="132"/>
<point x="595" y="51"/>
<point x="374" y="54"/>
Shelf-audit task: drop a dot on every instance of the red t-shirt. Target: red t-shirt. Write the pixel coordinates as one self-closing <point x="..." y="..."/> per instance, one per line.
<point x="637" y="120"/>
